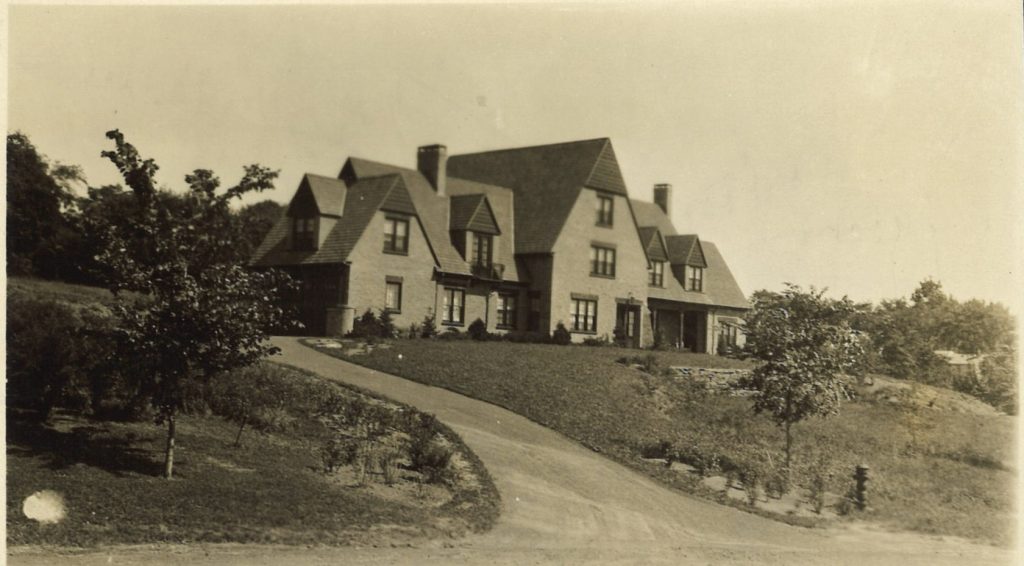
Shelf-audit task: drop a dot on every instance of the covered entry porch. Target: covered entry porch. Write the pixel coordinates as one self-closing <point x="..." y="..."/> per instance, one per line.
<point x="684" y="326"/>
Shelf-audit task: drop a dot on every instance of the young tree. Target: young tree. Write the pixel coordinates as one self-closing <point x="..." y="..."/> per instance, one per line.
<point x="805" y="344"/>
<point x="192" y="313"/>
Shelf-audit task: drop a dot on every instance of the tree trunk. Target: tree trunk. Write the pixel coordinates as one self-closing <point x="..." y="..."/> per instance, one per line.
<point x="789" y="447"/>
<point x="169" y="452"/>
<point x="238" y="437"/>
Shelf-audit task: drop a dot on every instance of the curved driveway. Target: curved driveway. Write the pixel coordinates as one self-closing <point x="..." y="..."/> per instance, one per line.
<point x="563" y="504"/>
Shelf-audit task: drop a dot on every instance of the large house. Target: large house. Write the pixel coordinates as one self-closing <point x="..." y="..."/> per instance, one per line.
<point x="520" y="238"/>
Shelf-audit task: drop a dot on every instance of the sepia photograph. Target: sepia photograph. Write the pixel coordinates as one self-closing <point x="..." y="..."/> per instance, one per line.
<point x="505" y="283"/>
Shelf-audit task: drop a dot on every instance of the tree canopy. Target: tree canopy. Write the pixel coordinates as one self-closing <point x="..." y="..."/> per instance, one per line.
<point x="196" y="311"/>
<point x="806" y="346"/>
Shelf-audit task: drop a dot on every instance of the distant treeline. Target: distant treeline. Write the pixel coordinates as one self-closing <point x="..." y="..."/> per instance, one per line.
<point x="50" y="230"/>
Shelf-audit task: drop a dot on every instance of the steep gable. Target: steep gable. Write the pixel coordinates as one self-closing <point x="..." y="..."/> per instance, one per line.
<point x="606" y="174"/>
<point x="653" y="243"/>
<point x="473" y="212"/>
<point x="431" y="208"/>
<point x="362" y="200"/>
<point x="546" y="181"/>
<point x="686" y="250"/>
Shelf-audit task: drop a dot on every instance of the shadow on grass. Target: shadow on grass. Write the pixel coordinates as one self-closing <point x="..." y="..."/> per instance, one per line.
<point x="92" y="445"/>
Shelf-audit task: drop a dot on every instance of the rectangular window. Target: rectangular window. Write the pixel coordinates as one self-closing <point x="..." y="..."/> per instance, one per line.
<point x="482" y="249"/>
<point x="602" y="261"/>
<point x="694" y="278"/>
<point x="657" y="274"/>
<point x="533" y="321"/>
<point x="304" y="233"/>
<point x="393" y="296"/>
<point x="605" y="210"/>
<point x="453" y="309"/>
<point x="506" y="310"/>
<point x="396" y="235"/>
<point x="584" y="315"/>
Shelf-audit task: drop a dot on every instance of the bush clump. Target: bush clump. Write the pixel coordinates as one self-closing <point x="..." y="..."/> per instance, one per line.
<point x="478" y="330"/>
<point x="561" y="335"/>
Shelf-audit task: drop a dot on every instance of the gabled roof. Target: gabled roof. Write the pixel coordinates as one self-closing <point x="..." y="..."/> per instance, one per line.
<point x="329" y="194"/>
<point x="650" y="237"/>
<point x="546" y="180"/>
<point x="473" y="212"/>
<point x="501" y="202"/>
<point x="434" y="211"/>
<point x="650" y="214"/>
<point x="362" y="200"/>
<point x="685" y="250"/>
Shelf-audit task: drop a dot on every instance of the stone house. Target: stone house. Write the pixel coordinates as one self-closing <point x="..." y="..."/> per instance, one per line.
<point x="520" y="238"/>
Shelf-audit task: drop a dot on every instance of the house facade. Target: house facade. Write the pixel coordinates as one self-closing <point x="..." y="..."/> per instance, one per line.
<point x="522" y="239"/>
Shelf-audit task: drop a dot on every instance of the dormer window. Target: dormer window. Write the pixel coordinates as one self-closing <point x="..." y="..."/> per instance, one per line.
<point x="396" y="235"/>
<point x="304" y="233"/>
<point x="694" y="278"/>
<point x="605" y="211"/>
<point x="482" y="252"/>
<point x="657" y="274"/>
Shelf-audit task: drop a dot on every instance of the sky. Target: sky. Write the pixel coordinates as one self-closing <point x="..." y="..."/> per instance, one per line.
<point x="859" y="146"/>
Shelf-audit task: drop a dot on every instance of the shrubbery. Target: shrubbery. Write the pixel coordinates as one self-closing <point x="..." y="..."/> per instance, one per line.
<point x="478" y="330"/>
<point x="561" y="335"/>
<point x="61" y="355"/>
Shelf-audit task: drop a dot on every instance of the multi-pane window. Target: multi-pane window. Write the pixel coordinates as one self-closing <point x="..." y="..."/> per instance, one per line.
<point x="453" y="309"/>
<point x="657" y="273"/>
<point x="602" y="261"/>
<point x="506" y="310"/>
<point x="393" y="296"/>
<point x="694" y="278"/>
<point x="605" y="210"/>
<point x="396" y="235"/>
<point x="728" y="335"/>
<point x="482" y="246"/>
<point x="584" y="315"/>
<point x="304" y="233"/>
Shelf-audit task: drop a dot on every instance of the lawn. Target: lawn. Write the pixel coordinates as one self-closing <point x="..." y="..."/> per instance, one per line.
<point x="933" y="471"/>
<point x="271" y="489"/>
<point x="274" y="488"/>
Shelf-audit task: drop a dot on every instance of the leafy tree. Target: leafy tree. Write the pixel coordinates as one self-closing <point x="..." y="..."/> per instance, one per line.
<point x="193" y="313"/>
<point x="254" y="221"/>
<point x="805" y="344"/>
<point x="37" y="194"/>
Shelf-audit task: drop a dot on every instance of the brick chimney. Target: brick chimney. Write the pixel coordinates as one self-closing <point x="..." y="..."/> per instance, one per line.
<point x="663" y="196"/>
<point x="432" y="161"/>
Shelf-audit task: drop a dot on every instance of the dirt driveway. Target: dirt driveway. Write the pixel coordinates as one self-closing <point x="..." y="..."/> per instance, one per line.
<point x="563" y="504"/>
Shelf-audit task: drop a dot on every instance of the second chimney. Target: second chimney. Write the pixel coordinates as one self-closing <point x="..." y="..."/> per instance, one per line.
<point x="432" y="161"/>
<point x="663" y="196"/>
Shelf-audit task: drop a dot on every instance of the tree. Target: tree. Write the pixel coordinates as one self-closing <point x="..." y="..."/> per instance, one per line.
<point x="192" y="313"/>
<point x="254" y="221"/>
<point x="37" y="194"/>
<point x="805" y="344"/>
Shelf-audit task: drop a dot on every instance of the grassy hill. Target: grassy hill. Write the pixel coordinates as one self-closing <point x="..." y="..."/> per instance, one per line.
<point x="935" y="467"/>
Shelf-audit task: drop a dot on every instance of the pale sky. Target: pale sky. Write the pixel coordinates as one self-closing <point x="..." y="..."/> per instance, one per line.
<point x="859" y="146"/>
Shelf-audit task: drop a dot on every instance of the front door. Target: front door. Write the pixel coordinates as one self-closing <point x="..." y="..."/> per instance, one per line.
<point x="627" y="319"/>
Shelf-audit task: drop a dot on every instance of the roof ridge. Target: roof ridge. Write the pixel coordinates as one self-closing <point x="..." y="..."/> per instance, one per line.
<point x="545" y="145"/>
<point x="385" y="164"/>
